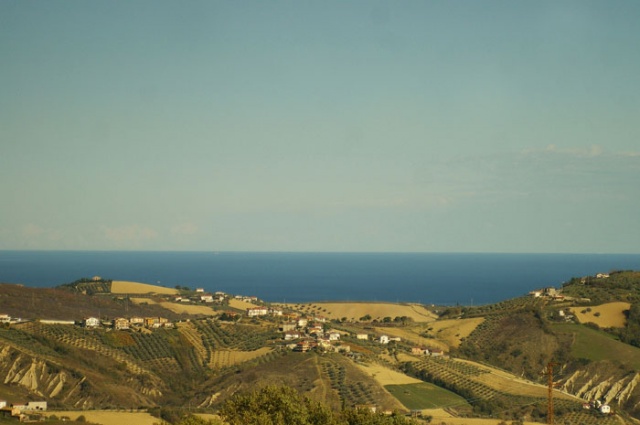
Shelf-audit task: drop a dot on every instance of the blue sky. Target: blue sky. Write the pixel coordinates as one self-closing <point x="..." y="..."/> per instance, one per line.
<point x="436" y="126"/>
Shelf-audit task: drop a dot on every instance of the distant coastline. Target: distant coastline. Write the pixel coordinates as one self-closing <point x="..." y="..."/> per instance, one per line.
<point x="427" y="278"/>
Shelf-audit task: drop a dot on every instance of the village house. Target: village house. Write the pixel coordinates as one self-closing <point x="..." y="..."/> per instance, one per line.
<point x="3" y="404"/>
<point x="136" y="321"/>
<point x="302" y="323"/>
<point x="5" y="318"/>
<point x="334" y="336"/>
<point x="302" y="346"/>
<point x="315" y="330"/>
<point x="324" y="343"/>
<point x="257" y="311"/>
<point x="384" y="339"/>
<point x="36" y="406"/>
<point x="200" y="290"/>
<point x="361" y="335"/>
<point x="120" y="323"/>
<point x="275" y="312"/>
<point x="436" y="352"/>
<point x="289" y="335"/>
<point x="536" y="294"/>
<point x="287" y="326"/>
<point x="91" y="322"/>
<point x="419" y="350"/>
<point x="206" y="298"/>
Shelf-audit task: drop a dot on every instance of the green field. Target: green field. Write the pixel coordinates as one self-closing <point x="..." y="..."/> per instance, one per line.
<point x="597" y="345"/>
<point x="425" y="396"/>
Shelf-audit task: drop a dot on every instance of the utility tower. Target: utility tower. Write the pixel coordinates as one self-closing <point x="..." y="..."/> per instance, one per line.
<point x="549" y="373"/>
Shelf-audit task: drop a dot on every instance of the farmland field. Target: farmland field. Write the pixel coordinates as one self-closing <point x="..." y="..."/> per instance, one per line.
<point x="425" y="396"/>
<point x="125" y="287"/>
<point x="108" y="417"/>
<point x="355" y="310"/>
<point x="609" y="315"/>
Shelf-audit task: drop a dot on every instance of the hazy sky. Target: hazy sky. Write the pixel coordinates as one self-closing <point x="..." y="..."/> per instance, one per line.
<point x="446" y="126"/>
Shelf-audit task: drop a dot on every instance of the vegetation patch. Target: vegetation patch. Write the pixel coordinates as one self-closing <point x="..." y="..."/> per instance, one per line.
<point x="425" y="396"/>
<point x="596" y="345"/>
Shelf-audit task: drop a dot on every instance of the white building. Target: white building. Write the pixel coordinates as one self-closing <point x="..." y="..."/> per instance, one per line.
<point x="91" y="322"/>
<point x="257" y="311"/>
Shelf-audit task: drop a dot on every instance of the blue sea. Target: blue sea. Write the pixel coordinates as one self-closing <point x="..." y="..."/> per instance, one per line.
<point x="428" y="278"/>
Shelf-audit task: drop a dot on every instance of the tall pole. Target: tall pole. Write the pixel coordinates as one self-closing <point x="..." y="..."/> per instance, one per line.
<point x="549" y="373"/>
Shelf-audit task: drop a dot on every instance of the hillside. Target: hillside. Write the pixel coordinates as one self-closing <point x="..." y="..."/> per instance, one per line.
<point x="497" y="353"/>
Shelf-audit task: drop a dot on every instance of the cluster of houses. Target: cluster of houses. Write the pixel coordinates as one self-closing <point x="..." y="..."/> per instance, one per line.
<point x="22" y="411"/>
<point x="218" y="297"/>
<point x="550" y="292"/>
<point x="123" y="323"/>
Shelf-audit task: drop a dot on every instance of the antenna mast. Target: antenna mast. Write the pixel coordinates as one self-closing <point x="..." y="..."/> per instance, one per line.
<point x="549" y="373"/>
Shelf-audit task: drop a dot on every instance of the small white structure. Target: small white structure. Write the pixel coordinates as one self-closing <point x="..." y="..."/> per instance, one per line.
<point x="289" y="335"/>
<point x="91" y="322"/>
<point x="36" y="405"/>
<point x="384" y="339"/>
<point x="334" y="336"/>
<point x="5" y="318"/>
<point x="362" y="336"/>
<point x="605" y="409"/>
<point x="257" y="311"/>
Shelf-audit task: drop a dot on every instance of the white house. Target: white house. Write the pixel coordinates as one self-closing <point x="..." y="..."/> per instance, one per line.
<point x="289" y="335"/>
<point x="384" y="339"/>
<point x="36" y="405"/>
<point x="257" y="311"/>
<point x="334" y="336"/>
<point x="5" y="318"/>
<point x="91" y="322"/>
<point x="605" y="409"/>
<point x="362" y="336"/>
<point x="302" y="323"/>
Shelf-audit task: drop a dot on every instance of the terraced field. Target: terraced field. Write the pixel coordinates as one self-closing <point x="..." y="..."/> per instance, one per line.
<point x="482" y="387"/>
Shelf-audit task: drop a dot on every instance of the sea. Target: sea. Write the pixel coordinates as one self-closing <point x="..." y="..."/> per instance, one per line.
<point x="293" y="277"/>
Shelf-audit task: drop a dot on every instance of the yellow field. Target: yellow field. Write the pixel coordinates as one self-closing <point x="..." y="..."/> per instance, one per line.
<point x="452" y="331"/>
<point x="378" y="311"/>
<point x="188" y="309"/>
<point x="125" y="287"/>
<point x="385" y="376"/>
<point x="240" y="305"/>
<point x="611" y="314"/>
<point x="107" y="417"/>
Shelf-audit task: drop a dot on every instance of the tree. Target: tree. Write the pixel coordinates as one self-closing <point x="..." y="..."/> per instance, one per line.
<point x="274" y="405"/>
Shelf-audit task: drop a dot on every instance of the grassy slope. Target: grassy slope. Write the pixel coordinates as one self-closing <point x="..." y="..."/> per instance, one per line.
<point x="597" y="345"/>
